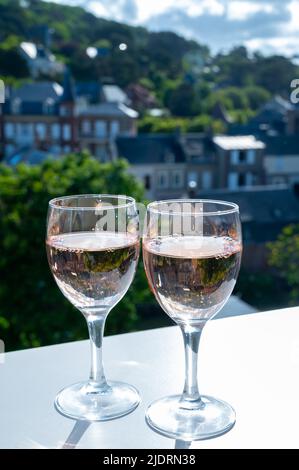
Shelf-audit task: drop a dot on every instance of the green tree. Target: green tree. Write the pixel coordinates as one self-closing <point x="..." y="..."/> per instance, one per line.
<point x="183" y="101"/>
<point x="162" y="125"/>
<point x="33" y="312"/>
<point x="257" y="96"/>
<point x="284" y="256"/>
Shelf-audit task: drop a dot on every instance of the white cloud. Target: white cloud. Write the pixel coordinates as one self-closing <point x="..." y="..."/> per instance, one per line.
<point x="267" y="25"/>
<point x="98" y="9"/>
<point x="213" y="7"/>
<point x="293" y="8"/>
<point x="240" y="11"/>
<point x="148" y="8"/>
<point x="283" y="45"/>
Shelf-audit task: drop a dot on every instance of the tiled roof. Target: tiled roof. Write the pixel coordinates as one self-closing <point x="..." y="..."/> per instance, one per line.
<point x="282" y="145"/>
<point x="114" y="94"/>
<point x="38" y="92"/>
<point x="109" y="109"/>
<point x="150" y="149"/>
<point x="262" y="204"/>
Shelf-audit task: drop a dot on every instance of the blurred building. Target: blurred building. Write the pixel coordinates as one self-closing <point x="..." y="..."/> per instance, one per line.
<point x="176" y="165"/>
<point x="264" y="211"/>
<point x="48" y="117"/>
<point x="282" y="159"/>
<point x="240" y="161"/>
<point x="40" y="60"/>
<point x="158" y="161"/>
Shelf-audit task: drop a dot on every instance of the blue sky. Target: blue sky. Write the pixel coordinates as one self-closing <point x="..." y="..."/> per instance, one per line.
<point x="267" y="25"/>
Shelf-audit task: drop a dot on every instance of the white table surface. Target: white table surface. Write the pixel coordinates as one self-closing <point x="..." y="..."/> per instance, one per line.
<point x="251" y="361"/>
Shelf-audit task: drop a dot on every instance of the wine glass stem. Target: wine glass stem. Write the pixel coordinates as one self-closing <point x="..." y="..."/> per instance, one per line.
<point x="96" y="324"/>
<point x="191" y="335"/>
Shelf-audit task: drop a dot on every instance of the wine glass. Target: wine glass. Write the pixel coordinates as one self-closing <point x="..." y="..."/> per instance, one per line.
<point x="93" y="248"/>
<point x="192" y="253"/>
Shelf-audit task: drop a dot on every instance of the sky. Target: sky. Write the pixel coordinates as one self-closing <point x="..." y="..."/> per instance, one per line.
<point x="271" y="26"/>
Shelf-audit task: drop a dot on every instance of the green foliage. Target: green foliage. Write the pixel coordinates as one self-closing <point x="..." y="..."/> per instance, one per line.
<point x="33" y="312"/>
<point x="284" y="256"/>
<point x="160" y="61"/>
<point x="238" y="69"/>
<point x="148" y="54"/>
<point x="262" y="290"/>
<point x="161" y="124"/>
<point x="256" y="96"/>
<point x="170" y="124"/>
<point x="182" y="101"/>
<point x="241" y="116"/>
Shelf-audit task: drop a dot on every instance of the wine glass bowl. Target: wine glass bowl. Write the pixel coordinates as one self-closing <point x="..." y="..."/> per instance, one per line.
<point x="93" y="248"/>
<point x="192" y="253"/>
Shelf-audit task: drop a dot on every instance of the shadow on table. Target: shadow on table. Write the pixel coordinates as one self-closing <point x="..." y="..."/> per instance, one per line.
<point x="76" y="434"/>
<point x="179" y="444"/>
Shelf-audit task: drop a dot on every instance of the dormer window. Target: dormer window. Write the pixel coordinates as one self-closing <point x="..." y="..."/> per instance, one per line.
<point x="49" y="106"/>
<point x="16" y="106"/>
<point x="169" y="157"/>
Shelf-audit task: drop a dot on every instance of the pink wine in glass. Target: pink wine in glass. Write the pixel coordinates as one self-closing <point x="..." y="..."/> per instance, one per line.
<point x="93" y="269"/>
<point x="192" y="276"/>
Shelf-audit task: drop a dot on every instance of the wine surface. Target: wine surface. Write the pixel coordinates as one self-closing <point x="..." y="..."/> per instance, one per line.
<point x="193" y="276"/>
<point x="93" y="269"/>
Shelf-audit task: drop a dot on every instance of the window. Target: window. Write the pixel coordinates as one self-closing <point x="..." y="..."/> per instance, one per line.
<point x="16" y="106"/>
<point x="49" y="106"/>
<point x="25" y="133"/>
<point x="278" y="180"/>
<point x="234" y="157"/>
<point x="65" y="111"/>
<point x="162" y="180"/>
<point x="233" y="180"/>
<point x="249" y="179"/>
<point x="242" y="156"/>
<point x="114" y="129"/>
<point x="40" y="131"/>
<point x="147" y="182"/>
<point x="55" y="149"/>
<point x="241" y="179"/>
<point x="67" y="149"/>
<point x="66" y="132"/>
<point x="9" y="150"/>
<point x="9" y="130"/>
<point x="55" y="130"/>
<point x="101" y="153"/>
<point x="86" y="127"/>
<point x="169" y="157"/>
<point x="206" y="180"/>
<point x="251" y="156"/>
<point x="192" y="180"/>
<point x="101" y="129"/>
<point x="177" y="179"/>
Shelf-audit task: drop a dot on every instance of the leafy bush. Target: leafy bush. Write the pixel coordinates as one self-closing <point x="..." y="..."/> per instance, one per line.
<point x="170" y="124"/>
<point x="284" y="256"/>
<point x="33" y="312"/>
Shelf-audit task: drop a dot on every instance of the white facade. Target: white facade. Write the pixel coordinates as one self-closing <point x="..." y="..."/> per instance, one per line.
<point x="282" y="168"/>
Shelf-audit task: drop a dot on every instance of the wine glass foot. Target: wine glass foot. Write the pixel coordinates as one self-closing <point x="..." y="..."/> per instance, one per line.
<point x="82" y="401"/>
<point x="212" y="418"/>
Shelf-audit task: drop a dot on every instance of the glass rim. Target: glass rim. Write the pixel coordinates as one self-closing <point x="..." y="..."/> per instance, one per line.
<point x="129" y="201"/>
<point x="234" y="208"/>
